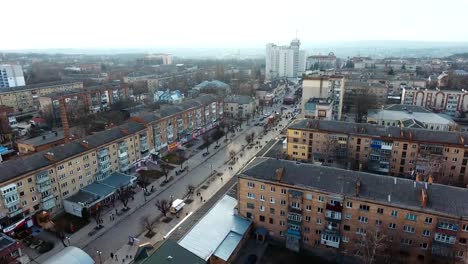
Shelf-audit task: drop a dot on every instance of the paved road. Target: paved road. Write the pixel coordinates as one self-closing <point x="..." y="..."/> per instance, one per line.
<point x="199" y="169"/>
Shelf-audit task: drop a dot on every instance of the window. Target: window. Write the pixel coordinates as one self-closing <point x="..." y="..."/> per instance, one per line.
<point x="380" y="210"/>
<point x="60" y="167"/>
<point x="319" y="221"/>
<point x="392" y="225"/>
<point x="462" y="240"/>
<point x="24" y="203"/>
<point x="29" y="180"/>
<point x="360" y="231"/>
<point x="426" y="233"/>
<point x="309" y="196"/>
<point x="282" y="223"/>
<point x="423" y="245"/>
<point x="378" y="222"/>
<point x="345" y="239"/>
<point x="34" y="198"/>
<point x="262" y="187"/>
<point x="272" y="210"/>
<point x="282" y="213"/>
<point x="295" y="205"/>
<point x="444" y="238"/>
<point x="272" y="200"/>
<point x="348" y="216"/>
<point x="307" y="218"/>
<point x="250" y="195"/>
<point x="19" y="184"/>
<point x="262" y="197"/>
<point x="411" y="217"/>
<point x="270" y="220"/>
<point x="262" y="218"/>
<point x="448" y="226"/>
<point x="250" y="185"/>
<point x="320" y="198"/>
<point x="428" y="220"/>
<point x="394" y="213"/>
<point x="346" y="227"/>
<point x="283" y="191"/>
<point x="364" y="207"/>
<point x="262" y="208"/>
<point x="363" y="219"/>
<point x="307" y="229"/>
<point x="283" y="202"/>
<point x="408" y="229"/>
<point x="320" y="210"/>
<point x="272" y="189"/>
<point x="406" y="241"/>
<point x="308" y="207"/>
<point x="250" y="206"/>
<point x="459" y="253"/>
<point x="465" y="228"/>
<point x="349" y="204"/>
<point x="32" y="189"/>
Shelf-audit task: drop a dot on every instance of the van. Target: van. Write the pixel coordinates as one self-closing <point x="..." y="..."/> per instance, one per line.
<point x="177" y="206"/>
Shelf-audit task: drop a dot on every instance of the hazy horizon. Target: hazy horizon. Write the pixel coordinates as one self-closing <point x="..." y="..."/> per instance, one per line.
<point x="53" y="24"/>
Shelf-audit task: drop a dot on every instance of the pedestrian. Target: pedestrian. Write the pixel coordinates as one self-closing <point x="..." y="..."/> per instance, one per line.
<point x="110" y="217"/>
<point x="116" y="212"/>
<point x="201" y="199"/>
<point x="116" y="257"/>
<point x="112" y="255"/>
<point x="221" y="179"/>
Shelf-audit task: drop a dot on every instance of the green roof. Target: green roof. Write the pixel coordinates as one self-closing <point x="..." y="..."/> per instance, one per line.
<point x="170" y="250"/>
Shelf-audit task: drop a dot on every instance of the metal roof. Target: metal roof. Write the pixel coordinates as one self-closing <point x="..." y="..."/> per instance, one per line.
<point x="171" y="252"/>
<point x="210" y="232"/>
<point x="70" y="255"/>
<point x="228" y="246"/>
<point x="117" y="179"/>
<point x="96" y="188"/>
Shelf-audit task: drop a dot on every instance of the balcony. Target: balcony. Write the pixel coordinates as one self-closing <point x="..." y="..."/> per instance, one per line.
<point x="144" y="147"/>
<point x="330" y="238"/>
<point x="42" y="177"/>
<point x="338" y="207"/>
<point x="124" y="168"/>
<point x="333" y="216"/>
<point x="16" y="212"/>
<point x="11" y="200"/>
<point x="104" y="169"/>
<point x="123" y="154"/>
<point x="102" y="153"/>
<point x="43" y="187"/>
<point x="48" y="202"/>
<point x="294" y="210"/>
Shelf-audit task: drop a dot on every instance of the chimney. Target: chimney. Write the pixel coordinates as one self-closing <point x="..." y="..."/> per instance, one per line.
<point x="430" y="180"/>
<point x="411" y="135"/>
<point x="43" y="137"/>
<point x="358" y="187"/>
<point x="50" y="156"/>
<point x="462" y="139"/>
<point x="64" y="118"/>
<point x="389" y="198"/>
<point x="279" y="174"/>
<point x="418" y="177"/>
<point x="402" y="133"/>
<point x="84" y="143"/>
<point x="423" y="198"/>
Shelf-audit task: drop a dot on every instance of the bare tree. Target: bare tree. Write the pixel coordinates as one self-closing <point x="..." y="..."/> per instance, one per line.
<point x="145" y="178"/>
<point x="164" y="205"/>
<point x="97" y="215"/>
<point x="190" y="190"/>
<point x="232" y="154"/>
<point x="329" y="148"/>
<point x="248" y="138"/>
<point x="372" y="246"/>
<point x="207" y="141"/>
<point x="148" y="224"/>
<point x="430" y="163"/>
<point x="363" y="101"/>
<point x="124" y="194"/>
<point x="165" y="170"/>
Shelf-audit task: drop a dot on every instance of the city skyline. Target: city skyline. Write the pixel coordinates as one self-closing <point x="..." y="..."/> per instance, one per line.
<point x="208" y="24"/>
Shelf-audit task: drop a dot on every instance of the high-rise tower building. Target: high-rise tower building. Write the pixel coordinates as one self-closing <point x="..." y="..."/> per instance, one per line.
<point x="11" y="76"/>
<point x="284" y="61"/>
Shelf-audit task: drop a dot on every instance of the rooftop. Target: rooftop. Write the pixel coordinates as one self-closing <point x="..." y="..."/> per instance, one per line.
<point x="211" y="84"/>
<point x="239" y="99"/>
<point x="171" y="252"/>
<point x="37" y="86"/>
<point x="211" y="231"/>
<point x="377" y="188"/>
<point x="377" y="131"/>
<point x="403" y="112"/>
<point x="46" y="138"/>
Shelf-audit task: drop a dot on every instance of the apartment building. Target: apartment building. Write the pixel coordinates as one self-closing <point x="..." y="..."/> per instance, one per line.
<point x="284" y="61"/>
<point x="40" y="182"/>
<point x="26" y="98"/>
<point x="240" y="106"/>
<point x="175" y="125"/>
<point x="321" y="62"/>
<point x="308" y="206"/>
<point x="354" y="89"/>
<point x="446" y="101"/>
<point x="381" y="149"/>
<point x="11" y="76"/>
<point x="326" y="89"/>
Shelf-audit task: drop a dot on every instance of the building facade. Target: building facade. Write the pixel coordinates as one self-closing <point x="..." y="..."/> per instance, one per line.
<point x="11" y="76"/>
<point x="240" y="106"/>
<point x="324" y="88"/>
<point x="284" y="61"/>
<point x="448" y="102"/>
<point x="321" y="62"/>
<point x="381" y="149"/>
<point x="26" y="98"/>
<point x="307" y="207"/>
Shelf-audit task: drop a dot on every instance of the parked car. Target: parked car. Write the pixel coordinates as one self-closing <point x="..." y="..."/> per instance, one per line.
<point x="206" y="154"/>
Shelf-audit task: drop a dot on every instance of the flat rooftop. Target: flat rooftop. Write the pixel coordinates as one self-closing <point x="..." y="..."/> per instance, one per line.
<point x="46" y="138"/>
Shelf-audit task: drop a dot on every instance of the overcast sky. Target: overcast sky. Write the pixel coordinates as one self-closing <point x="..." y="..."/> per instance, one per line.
<point x="30" y="24"/>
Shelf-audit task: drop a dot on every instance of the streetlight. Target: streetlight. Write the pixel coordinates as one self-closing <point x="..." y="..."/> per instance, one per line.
<point x="100" y="258"/>
<point x="68" y="239"/>
<point x="211" y="169"/>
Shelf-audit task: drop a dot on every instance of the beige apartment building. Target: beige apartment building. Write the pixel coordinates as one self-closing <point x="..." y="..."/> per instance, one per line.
<point x="327" y="88"/>
<point x="385" y="150"/>
<point x="26" y="98"/>
<point x="40" y="182"/>
<point x="306" y="206"/>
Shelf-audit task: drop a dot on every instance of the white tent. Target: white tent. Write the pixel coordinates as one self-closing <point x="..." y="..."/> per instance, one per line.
<point x="70" y="255"/>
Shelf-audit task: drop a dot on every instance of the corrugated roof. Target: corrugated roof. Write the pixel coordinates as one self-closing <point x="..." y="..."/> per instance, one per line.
<point x="117" y="179"/>
<point x="228" y="246"/>
<point x="210" y="232"/>
<point x="98" y="189"/>
<point x="441" y="198"/>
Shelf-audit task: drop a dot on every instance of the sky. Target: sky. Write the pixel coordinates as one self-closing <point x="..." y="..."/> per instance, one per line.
<point x="32" y="24"/>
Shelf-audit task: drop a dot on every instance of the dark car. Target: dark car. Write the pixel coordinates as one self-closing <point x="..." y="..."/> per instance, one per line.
<point x="206" y="154"/>
<point x="251" y="259"/>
